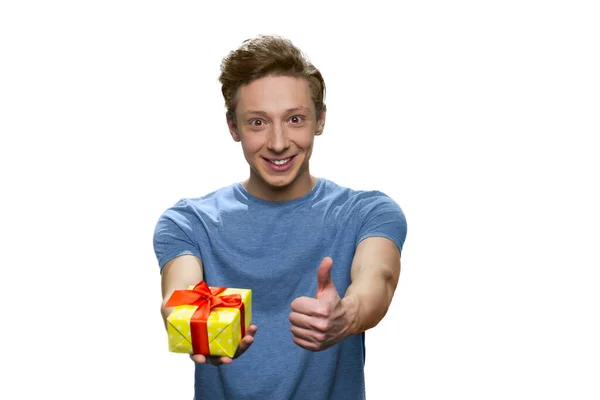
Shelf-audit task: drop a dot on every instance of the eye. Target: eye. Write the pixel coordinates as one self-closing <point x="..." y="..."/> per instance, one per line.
<point x="296" y="119"/>
<point x="256" y="122"/>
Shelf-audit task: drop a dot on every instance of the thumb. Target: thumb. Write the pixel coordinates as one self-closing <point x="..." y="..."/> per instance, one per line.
<point x="324" y="280"/>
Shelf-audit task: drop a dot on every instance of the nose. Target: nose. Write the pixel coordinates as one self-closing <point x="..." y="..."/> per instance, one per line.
<point x="278" y="140"/>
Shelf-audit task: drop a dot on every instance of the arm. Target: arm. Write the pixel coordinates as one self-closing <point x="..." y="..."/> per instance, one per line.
<point x="320" y="322"/>
<point x="374" y="273"/>
<point x="178" y="274"/>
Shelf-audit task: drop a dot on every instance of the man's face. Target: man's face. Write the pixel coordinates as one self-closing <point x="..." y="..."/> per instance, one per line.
<point x="276" y="124"/>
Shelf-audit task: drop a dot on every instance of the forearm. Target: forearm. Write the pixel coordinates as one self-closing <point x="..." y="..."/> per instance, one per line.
<point x="368" y="298"/>
<point x="164" y="310"/>
<point x="178" y="274"/>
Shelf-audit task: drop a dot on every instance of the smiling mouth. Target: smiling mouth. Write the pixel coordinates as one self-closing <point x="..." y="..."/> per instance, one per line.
<point x="281" y="161"/>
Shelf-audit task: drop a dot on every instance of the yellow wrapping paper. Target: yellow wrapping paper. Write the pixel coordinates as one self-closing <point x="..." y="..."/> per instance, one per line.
<point x="223" y="326"/>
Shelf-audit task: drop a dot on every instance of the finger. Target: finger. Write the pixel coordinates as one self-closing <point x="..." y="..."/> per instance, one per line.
<point x="306" y="344"/>
<point x="305" y="334"/>
<point x="302" y="320"/>
<point x="219" y="360"/>
<point x="305" y="305"/>
<point x="246" y="341"/>
<point x="324" y="275"/>
<point x="202" y="359"/>
<point x="244" y="345"/>
<point x="198" y="358"/>
<point x="252" y="329"/>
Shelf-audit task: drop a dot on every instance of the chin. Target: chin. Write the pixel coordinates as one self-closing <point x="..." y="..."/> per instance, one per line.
<point x="279" y="183"/>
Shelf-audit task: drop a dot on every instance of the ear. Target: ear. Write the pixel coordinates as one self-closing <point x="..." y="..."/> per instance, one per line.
<point x="233" y="130"/>
<point x="321" y="121"/>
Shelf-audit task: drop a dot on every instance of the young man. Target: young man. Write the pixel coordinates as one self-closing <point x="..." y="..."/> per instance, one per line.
<point x="322" y="260"/>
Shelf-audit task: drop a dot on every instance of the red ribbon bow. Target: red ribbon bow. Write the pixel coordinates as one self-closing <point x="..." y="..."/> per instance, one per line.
<point x="206" y="299"/>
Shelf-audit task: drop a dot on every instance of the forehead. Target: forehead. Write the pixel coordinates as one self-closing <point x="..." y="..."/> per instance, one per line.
<point x="274" y="94"/>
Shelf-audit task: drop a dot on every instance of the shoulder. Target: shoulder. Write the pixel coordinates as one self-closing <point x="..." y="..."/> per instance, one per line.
<point x="373" y="212"/>
<point x="219" y="195"/>
<point x="207" y="201"/>
<point x="194" y="208"/>
<point x="357" y="198"/>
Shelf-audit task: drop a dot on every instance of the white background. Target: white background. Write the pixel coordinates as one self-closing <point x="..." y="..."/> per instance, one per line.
<point x="477" y="117"/>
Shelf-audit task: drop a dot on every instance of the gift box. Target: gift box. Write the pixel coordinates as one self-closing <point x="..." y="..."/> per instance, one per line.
<point x="208" y="320"/>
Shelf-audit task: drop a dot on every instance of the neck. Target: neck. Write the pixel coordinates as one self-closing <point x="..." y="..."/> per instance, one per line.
<point x="301" y="186"/>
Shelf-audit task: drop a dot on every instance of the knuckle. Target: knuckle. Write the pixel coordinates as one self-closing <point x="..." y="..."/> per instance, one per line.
<point x="322" y="326"/>
<point x="320" y="337"/>
<point x="322" y="312"/>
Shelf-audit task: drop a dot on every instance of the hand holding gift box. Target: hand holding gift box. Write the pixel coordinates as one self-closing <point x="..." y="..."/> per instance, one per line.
<point x="208" y="320"/>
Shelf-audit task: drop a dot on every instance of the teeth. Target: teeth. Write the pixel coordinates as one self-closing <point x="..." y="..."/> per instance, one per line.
<point x="281" y="162"/>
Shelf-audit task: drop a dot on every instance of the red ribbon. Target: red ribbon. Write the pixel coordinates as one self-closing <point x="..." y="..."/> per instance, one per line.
<point x="206" y="299"/>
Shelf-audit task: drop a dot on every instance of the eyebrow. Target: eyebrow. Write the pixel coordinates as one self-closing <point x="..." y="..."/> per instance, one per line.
<point x="289" y="110"/>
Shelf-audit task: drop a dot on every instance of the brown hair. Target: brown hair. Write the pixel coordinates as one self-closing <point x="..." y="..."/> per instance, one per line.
<point x="267" y="55"/>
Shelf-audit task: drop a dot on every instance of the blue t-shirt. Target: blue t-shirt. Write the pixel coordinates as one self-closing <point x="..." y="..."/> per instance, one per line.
<point x="275" y="248"/>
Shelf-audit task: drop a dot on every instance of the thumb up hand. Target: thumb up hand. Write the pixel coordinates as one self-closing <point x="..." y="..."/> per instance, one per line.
<point x="319" y="323"/>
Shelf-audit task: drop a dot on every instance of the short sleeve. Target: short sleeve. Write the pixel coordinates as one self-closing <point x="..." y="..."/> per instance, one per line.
<point x="382" y="216"/>
<point x="174" y="234"/>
